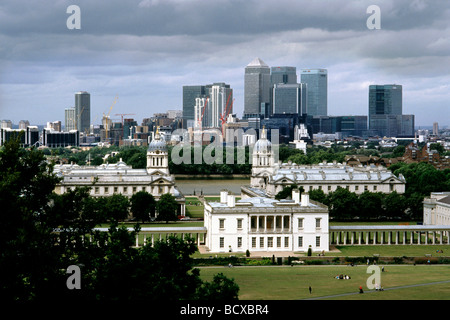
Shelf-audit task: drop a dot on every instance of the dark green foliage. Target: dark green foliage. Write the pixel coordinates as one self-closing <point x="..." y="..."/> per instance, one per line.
<point x="143" y="206"/>
<point x="42" y="234"/>
<point x="167" y="208"/>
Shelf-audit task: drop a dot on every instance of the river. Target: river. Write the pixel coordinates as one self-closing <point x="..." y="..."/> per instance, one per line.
<point x="210" y="186"/>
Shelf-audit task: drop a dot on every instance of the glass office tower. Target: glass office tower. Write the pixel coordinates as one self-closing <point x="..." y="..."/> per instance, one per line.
<point x="289" y="98"/>
<point x="317" y="88"/>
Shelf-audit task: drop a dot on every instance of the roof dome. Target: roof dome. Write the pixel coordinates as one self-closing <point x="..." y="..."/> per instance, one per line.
<point x="158" y="143"/>
<point x="263" y="144"/>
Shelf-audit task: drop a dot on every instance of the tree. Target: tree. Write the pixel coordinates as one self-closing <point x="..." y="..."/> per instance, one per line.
<point x="287" y="192"/>
<point x="318" y="195"/>
<point x="116" y="207"/>
<point x="42" y="233"/>
<point x="29" y="260"/>
<point x="370" y="204"/>
<point x="394" y="205"/>
<point x="143" y="205"/>
<point x="343" y="204"/>
<point x="167" y="208"/>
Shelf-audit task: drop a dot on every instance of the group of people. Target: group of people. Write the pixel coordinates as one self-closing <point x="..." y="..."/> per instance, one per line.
<point x="341" y="276"/>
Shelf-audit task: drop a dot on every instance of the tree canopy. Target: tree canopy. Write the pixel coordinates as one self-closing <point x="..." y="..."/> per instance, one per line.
<point x="43" y="234"/>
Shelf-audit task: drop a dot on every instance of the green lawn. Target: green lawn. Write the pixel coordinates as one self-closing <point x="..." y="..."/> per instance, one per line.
<point x="291" y="283"/>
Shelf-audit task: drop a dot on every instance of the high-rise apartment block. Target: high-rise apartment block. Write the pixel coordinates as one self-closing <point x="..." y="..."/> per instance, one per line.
<point x="83" y="111"/>
<point x="69" y="119"/>
<point x="317" y="88"/>
<point x="207" y="105"/>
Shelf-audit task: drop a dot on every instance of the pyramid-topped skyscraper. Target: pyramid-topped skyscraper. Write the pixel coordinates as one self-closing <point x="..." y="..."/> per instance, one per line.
<point x="256" y="88"/>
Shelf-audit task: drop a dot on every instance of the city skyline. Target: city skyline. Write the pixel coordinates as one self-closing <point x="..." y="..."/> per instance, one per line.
<point x="151" y="49"/>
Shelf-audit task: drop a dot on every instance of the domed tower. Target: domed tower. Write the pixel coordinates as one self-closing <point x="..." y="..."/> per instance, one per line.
<point x="158" y="156"/>
<point x="263" y="161"/>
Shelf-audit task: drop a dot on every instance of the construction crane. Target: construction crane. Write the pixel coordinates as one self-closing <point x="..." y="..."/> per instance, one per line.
<point x="107" y="117"/>
<point x="124" y="114"/>
<point x="223" y="117"/>
<point x="203" y="112"/>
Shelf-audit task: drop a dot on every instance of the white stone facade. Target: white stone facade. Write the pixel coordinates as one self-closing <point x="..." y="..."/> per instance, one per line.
<point x="436" y="209"/>
<point x="272" y="177"/>
<point x="261" y="224"/>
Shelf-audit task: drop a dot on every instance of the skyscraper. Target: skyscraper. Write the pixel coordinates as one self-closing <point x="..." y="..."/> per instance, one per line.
<point x="317" y="88"/>
<point x="256" y="87"/>
<point x="218" y="98"/>
<point x="286" y="75"/>
<point x="386" y="116"/>
<point x="83" y="111"/>
<point x="190" y="93"/>
<point x="69" y="119"/>
<point x="289" y="98"/>
<point x="385" y="99"/>
<point x="221" y="100"/>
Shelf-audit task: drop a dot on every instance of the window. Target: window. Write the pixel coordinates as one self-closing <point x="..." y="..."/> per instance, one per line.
<point x="366" y="188"/>
<point x="318" y="223"/>
<point x="134" y="189"/>
<point x="356" y="188"/>
<point x="300" y="223"/>
<point x="106" y="190"/>
<point x="96" y="190"/>
<point x="125" y="189"/>
<point x="254" y="242"/>
<point x="278" y="242"/>
<point x="329" y="188"/>
<point x="286" y="242"/>
<point x="317" y="241"/>
<point x="239" y="223"/>
<point x="270" y="242"/>
<point x="300" y="242"/>
<point x="239" y="242"/>
<point x="221" y="223"/>
<point x="320" y="187"/>
<point x="261" y="242"/>
<point x="374" y="188"/>
<point x="222" y="242"/>
<point x="115" y="189"/>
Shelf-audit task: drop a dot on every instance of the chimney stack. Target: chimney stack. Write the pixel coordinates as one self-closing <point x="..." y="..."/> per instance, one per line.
<point x="223" y="196"/>
<point x="305" y="200"/>
<point x="296" y="195"/>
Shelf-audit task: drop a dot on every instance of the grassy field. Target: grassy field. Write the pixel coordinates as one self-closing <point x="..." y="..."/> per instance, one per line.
<point x="292" y="283"/>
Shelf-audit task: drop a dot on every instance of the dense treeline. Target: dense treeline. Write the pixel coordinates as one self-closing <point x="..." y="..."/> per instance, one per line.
<point x="44" y="235"/>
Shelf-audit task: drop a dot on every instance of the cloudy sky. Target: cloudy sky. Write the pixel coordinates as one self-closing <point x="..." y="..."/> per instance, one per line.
<point x="144" y="51"/>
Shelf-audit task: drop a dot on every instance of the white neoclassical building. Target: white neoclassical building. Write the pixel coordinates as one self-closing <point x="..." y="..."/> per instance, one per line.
<point x="436" y="209"/>
<point x="271" y="177"/>
<point x="119" y="178"/>
<point x="261" y="224"/>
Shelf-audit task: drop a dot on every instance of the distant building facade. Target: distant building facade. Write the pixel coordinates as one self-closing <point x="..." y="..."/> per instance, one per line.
<point x="386" y="116"/>
<point x="256" y="88"/>
<point x="261" y="224"/>
<point x="119" y="178"/>
<point x="436" y="209"/>
<point x="317" y="88"/>
<point x="269" y="177"/>
<point x="83" y="111"/>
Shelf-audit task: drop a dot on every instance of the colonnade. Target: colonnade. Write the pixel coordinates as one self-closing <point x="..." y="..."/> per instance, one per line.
<point x="390" y="235"/>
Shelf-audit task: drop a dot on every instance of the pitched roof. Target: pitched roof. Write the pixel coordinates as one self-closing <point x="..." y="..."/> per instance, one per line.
<point x="257" y="62"/>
